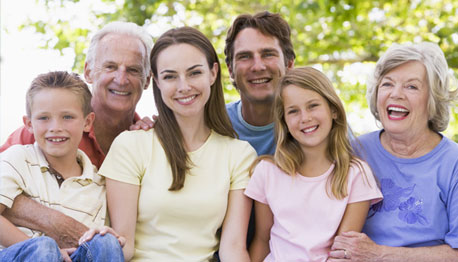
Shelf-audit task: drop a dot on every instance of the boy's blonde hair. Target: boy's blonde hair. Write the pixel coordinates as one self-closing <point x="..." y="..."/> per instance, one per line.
<point x="60" y="79"/>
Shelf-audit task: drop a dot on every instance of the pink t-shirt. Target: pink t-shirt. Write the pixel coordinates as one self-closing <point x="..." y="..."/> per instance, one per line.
<point x="306" y="218"/>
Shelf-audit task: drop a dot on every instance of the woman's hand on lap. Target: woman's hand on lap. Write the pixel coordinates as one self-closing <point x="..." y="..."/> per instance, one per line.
<point x="88" y="235"/>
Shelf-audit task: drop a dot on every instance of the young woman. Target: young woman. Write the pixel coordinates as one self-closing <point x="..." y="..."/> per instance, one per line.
<point x="313" y="188"/>
<point x="171" y="189"/>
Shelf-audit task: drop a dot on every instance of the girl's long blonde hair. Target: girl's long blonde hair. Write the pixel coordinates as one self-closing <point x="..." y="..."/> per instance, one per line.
<point x="288" y="154"/>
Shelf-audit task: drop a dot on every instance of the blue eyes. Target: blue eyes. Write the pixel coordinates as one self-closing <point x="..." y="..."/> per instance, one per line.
<point x="66" y="117"/>
<point x="309" y="107"/>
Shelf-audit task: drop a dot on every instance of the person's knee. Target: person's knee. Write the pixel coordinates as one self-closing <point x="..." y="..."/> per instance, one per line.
<point x="39" y="249"/>
<point x="104" y="248"/>
<point x="44" y="244"/>
<point x="107" y="240"/>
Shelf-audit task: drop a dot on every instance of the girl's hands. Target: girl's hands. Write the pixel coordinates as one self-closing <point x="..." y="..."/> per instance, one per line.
<point x="88" y="235"/>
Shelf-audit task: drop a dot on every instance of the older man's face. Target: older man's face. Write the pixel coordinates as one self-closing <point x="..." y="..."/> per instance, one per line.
<point x="117" y="74"/>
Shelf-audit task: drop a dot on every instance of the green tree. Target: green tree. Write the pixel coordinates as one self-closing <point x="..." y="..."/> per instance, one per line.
<point x="334" y="35"/>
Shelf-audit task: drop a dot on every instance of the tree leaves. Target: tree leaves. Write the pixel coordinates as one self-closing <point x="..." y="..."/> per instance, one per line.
<point x="332" y="35"/>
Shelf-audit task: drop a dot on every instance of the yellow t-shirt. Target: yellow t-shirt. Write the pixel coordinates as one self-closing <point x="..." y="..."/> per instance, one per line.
<point x="24" y="169"/>
<point x="178" y="225"/>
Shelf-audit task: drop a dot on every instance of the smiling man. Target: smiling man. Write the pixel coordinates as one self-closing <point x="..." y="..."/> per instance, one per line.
<point x="118" y="68"/>
<point x="258" y="52"/>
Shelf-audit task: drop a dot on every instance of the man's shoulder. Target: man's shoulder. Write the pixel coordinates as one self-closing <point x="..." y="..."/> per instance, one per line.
<point x="232" y="107"/>
<point x="20" y="136"/>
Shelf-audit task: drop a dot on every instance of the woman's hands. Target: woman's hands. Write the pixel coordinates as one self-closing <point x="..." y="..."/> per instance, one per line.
<point x="88" y="235"/>
<point x="354" y="246"/>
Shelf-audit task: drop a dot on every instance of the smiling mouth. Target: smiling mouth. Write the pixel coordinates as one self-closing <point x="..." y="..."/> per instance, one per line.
<point x="119" y="93"/>
<point x="186" y="99"/>
<point x="397" y="112"/>
<point x="57" y="140"/>
<point x="260" y="81"/>
<point x="310" y="129"/>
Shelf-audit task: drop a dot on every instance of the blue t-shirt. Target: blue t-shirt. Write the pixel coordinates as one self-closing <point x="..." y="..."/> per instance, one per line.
<point x="262" y="138"/>
<point x="420" y="205"/>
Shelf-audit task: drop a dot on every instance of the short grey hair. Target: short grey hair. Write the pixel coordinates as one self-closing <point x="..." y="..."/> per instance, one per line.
<point x="126" y="28"/>
<point x="438" y="77"/>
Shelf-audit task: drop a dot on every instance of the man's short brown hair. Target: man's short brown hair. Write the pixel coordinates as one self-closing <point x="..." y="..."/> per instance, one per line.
<point x="268" y="24"/>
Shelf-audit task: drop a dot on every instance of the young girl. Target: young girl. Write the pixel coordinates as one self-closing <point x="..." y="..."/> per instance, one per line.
<point x="313" y="188"/>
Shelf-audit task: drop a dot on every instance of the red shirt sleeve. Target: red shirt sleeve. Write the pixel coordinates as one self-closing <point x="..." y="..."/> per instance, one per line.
<point x="20" y="136"/>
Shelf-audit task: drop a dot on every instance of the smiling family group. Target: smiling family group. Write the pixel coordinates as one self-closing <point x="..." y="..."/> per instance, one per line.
<point x="182" y="188"/>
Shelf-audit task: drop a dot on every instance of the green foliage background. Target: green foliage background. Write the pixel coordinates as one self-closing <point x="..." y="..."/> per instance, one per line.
<point x="330" y="34"/>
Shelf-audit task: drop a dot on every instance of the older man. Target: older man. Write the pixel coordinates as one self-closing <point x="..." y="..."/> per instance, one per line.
<point x="117" y="66"/>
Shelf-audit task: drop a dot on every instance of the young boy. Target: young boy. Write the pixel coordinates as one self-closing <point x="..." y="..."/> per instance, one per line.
<point x="54" y="172"/>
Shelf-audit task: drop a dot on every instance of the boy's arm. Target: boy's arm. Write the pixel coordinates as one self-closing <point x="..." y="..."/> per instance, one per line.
<point x="9" y="234"/>
<point x="28" y="213"/>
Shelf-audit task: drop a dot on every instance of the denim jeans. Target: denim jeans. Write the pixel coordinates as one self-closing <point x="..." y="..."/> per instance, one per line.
<point x="39" y="249"/>
<point x="99" y="249"/>
<point x="45" y="249"/>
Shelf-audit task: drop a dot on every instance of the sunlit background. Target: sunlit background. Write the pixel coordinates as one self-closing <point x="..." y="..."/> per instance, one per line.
<point x="22" y="58"/>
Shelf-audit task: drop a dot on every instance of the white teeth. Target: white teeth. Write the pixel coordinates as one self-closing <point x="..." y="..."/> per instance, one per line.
<point x="310" y="129"/>
<point x="119" y="93"/>
<point x="57" y="139"/>
<point x="260" y="81"/>
<point x="398" y="109"/>
<point x="187" y="99"/>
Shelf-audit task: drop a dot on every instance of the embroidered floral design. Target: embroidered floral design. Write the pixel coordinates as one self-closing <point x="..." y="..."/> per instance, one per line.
<point x="411" y="211"/>
<point x="398" y="198"/>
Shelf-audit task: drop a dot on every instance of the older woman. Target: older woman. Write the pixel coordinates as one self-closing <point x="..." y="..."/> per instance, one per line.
<point x="417" y="166"/>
